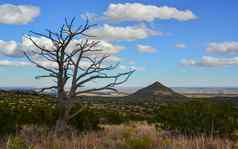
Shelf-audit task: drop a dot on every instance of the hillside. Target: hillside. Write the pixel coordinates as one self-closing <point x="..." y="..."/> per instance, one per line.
<point x="158" y="92"/>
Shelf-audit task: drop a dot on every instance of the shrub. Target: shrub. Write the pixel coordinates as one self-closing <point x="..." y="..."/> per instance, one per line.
<point x="35" y="110"/>
<point x="7" y="123"/>
<point x="17" y="143"/>
<point x="86" y="120"/>
<point x="143" y="142"/>
<point x="111" y="117"/>
<point x="199" y="117"/>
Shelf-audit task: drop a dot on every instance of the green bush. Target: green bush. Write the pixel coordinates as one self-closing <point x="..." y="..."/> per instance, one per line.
<point x="7" y="122"/>
<point x="86" y="120"/>
<point x="111" y="117"/>
<point x="143" y="142"/>
<point x="15" y="113"/>
<point x="199" y="117"/>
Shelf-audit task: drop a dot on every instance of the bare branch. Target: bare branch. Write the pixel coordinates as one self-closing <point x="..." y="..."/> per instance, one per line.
<point x="69" y="69"/>
<point x="39" y="65"/>
<point x="109" y="86"/>
<point x="46" y="76"/>
<point x="48" y="88"/>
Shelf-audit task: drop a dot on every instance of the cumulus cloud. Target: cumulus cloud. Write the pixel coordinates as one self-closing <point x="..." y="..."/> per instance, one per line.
<point x="110" y="48"/>
<point x="142" y="12"/>
<point x="13" y="63"/>
<point x="180" y="46"/>
<point x="208" y="61"/>
<point x="108" y="32"/>
<point x="89" y="16"/>
<point x="8" y="47"/>
<point x="45" y="63"/>
<point x="14" y="49"/>
<point x="145" y="49"/>
<point x="114" y="58"/>
<point x="18" y="14"/>
<point x="136" y="68"/>
<point x="224" y="47"/>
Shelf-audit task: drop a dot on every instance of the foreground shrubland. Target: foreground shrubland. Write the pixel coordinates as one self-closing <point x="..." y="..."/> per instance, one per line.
<point x="130" y="136"/>
<point x="27" y="122"/>
<point x="19" y="109"/>
<point x="194" y="117"/>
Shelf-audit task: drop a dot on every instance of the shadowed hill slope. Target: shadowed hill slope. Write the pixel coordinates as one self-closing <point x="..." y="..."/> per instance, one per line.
<point x="157" y="91"/>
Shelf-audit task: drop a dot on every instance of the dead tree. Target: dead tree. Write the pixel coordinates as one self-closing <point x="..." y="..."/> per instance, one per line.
<point x="69" y="71"/>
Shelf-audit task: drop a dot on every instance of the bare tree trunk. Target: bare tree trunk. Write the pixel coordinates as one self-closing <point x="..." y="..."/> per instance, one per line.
<point x="62" y="123"/>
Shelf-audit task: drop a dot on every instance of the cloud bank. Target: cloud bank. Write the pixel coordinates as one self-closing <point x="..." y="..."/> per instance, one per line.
<point x="108" y="32"/>
<point x="14" y="49"/>
<point x="142" y="12"/>
<point x="18" y="14"/>
<point x="208" y="61"/>
<point x="145" y="49"/>
<point x="224" y="47"/>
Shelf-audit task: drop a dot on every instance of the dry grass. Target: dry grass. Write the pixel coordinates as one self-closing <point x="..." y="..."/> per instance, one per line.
<point x="130" y="136"/>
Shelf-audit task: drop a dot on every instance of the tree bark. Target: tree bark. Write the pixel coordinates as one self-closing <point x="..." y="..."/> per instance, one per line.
<point x="62" y="123"/>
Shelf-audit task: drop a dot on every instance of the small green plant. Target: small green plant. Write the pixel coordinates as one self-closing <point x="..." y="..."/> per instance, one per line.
<point x="18" y="143"/>
<point x="143" y="142"/>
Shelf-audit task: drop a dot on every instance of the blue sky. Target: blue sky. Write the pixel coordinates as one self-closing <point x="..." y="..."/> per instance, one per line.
<point x="183" y="42"/>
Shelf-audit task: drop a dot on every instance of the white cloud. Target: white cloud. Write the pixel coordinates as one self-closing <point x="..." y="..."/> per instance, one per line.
<point x="114" y="58"/>
<point x="142" y="12"/>
<point x="208" y="61"/>
<point x="180" y="46"/>
<point x="8" y="47"/>
<point x="13" y="63"/>
<point x="108" y="32"/>
<point x="89" y="16"/>
<point x="136" y="68"/>
<point x="14" y="49"/>
<point x="84" y="63"/>
<point x="41" y="41"/>
<point x="18" y="14"/>
<point x="145" y="49"/>
<point x="110" y="48"/>
<point x="46" y="63"/>
<point x="224" y="47"/>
